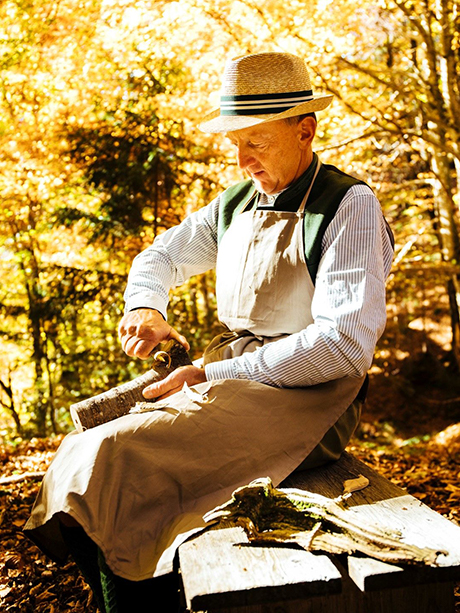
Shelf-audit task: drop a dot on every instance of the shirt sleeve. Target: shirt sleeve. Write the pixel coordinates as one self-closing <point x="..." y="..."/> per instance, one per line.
<point x="348" y="306"/>
<point x="185" y="250"/>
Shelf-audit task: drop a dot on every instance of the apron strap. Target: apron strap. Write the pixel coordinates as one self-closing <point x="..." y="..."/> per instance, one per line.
<point x="246" y="206"/>
<point x="301" y="209"/>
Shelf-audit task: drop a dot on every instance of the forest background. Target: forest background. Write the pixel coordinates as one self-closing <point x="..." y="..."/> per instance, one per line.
<point x="99" y="153"/>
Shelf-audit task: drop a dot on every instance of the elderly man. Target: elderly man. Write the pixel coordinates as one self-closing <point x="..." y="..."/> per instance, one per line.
<point x="301" y="252"/>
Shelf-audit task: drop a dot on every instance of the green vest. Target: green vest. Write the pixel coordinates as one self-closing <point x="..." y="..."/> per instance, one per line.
<point x="330" y="187"/>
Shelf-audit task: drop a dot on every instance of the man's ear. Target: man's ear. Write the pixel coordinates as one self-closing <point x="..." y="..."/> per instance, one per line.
<point x="306" y="131"/>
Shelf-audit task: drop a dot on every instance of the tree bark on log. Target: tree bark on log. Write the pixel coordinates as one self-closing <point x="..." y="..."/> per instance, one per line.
<point x="118" y="401"/>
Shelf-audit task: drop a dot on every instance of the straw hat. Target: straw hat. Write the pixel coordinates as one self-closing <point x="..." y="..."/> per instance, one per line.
<point x="263" y="87"/>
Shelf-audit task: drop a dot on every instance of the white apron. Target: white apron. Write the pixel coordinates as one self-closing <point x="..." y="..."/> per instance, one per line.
<point x="264" y="290"/>
<point x="139" y="485"/>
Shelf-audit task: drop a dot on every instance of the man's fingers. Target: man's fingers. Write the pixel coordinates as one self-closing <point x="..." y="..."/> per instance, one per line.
<point x="138" y="348"/>
<point x="141" y="345"/>
<point x="136" y="345"/>
<point x="140" y="331"/>
<point x="170" y="392"/>
<point x="161" y="388"/>
<point x="174" y="334"/>
<point x="174" y="382"/>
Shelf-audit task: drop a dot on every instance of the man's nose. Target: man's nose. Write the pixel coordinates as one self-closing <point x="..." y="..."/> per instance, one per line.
<point x="244" y="157"/>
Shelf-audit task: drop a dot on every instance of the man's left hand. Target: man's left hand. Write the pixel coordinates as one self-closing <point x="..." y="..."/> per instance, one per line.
<point x="173" y="382"/>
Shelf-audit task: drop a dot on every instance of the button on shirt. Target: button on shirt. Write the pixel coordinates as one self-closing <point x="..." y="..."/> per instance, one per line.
<point x="348" y="306"/>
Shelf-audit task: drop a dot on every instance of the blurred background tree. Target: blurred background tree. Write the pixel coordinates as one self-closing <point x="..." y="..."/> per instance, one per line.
<point x="99" y="103"/>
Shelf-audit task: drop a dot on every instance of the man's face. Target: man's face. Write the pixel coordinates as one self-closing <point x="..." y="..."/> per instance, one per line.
<point x="274" y="154"/>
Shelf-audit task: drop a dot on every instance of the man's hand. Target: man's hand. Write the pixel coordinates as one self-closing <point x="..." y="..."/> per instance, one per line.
<point x="141" y="330"/>
<point x="174" y="382"/>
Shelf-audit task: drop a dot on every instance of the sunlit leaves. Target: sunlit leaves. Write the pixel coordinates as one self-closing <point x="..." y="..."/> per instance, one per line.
<point x="99" y="150"/>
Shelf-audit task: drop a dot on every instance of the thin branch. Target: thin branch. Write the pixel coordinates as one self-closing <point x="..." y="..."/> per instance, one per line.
<point x="39" y="474"/>
<point x="370" y="73"/>
<point x="448" y="33"/>
<point x="407" y="247"/>
<point x="431" y="54"/>
<point x="425" y="136"/>
<point x="354" y="139"/>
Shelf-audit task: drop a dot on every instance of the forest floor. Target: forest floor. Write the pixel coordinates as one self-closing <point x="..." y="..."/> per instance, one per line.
<point x="412" y="437"/>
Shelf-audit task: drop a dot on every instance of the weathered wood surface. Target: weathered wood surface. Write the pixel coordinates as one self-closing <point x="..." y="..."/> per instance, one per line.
<point x="220" y="568"/>
<point x="219" y="579"/>
<point x="387" y="504"/>
<point x="118" y="401"/>
<point x="428" y="598"/>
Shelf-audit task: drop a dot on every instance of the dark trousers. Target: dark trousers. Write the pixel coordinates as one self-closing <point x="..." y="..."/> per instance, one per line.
<point x="113" y="593"/>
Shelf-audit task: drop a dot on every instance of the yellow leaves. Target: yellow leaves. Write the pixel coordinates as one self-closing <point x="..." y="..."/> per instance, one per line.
<point x="454" y="496"/>
<point x="13" y="560"/>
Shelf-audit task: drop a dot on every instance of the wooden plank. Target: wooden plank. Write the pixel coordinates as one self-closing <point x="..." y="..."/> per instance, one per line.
<point x="385" y="503"/>
<point x="371" y="574"/>
<point x="428" y="598"/>
<point x="223" y="574"/>
<point x="219" y="568"/>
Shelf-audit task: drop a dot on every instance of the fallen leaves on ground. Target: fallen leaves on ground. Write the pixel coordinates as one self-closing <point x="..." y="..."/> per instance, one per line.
<point x="429" y="470"/>
<point x="29" y="581"/>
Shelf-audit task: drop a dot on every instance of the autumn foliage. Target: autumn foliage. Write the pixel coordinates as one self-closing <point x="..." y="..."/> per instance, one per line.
<point x="99" y="152"/>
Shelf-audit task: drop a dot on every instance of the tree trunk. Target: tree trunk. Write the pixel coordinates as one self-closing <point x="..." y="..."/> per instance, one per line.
<point x="445" y="207"/>
<point x="7" y="388"/>
<point x="449" y="241"/>
<point x="453" y="288"/>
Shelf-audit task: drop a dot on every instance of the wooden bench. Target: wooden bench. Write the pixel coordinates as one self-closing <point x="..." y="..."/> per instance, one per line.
<point x="223" y="573"/>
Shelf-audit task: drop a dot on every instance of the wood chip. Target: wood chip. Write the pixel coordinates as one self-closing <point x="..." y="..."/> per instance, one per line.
<point x="355" y="485"/>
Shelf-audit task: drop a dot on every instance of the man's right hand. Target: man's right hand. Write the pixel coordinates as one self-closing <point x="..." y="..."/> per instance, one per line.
<point x="141" y="330"/>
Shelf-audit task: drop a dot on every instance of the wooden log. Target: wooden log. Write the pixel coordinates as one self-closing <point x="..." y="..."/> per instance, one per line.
<point x="118" y="401"/>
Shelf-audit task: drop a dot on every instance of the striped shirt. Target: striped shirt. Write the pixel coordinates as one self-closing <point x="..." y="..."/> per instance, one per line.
<point x="348" y="305"/>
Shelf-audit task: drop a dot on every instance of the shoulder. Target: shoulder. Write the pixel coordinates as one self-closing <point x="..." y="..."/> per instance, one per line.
<point x="360" y="221"/>
<point x="359" y="206"/>
<point x="360" y="195"/>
